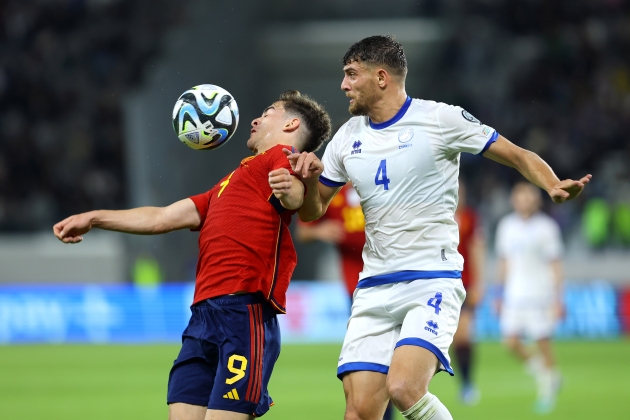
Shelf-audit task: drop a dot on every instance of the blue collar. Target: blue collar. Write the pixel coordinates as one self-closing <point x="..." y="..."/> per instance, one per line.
<point x="401" y="113"/>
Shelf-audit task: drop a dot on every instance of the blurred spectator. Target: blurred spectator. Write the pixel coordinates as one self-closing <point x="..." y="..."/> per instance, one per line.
<point x="64" y="66"/>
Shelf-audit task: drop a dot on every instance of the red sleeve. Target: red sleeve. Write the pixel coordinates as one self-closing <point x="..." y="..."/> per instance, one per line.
<point x="202" y="202"/>
<point x="279" y="160"/>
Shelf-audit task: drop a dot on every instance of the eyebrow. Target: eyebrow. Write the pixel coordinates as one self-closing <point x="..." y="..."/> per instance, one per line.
<point x="268" y="108"/>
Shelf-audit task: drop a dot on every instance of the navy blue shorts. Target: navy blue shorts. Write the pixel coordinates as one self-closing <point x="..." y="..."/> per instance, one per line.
<point x="228" y="352"/>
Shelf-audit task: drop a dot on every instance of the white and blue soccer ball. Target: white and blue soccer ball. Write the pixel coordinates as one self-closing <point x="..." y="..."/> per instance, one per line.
<point x="205" y="117"/>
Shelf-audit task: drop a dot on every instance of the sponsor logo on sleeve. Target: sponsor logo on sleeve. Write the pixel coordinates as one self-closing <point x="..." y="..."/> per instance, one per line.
<point x="486" y="131"/>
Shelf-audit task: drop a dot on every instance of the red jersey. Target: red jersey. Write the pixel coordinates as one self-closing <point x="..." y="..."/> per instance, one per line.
<point x="345" y="207"/>
<point x="244" y="239"/>
<point x="468" y="224"/>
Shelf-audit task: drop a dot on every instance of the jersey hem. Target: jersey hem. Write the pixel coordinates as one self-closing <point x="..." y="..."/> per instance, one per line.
<point x="419" y="342"/>
<point x="407" y="275"/>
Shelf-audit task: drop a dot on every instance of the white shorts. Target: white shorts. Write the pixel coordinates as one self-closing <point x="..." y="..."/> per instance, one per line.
<point x="534" y="323"/>
<point x="420" y="313"/>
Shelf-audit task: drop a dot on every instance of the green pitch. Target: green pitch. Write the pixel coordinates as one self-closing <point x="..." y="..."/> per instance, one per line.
<point x="129" y="382"/>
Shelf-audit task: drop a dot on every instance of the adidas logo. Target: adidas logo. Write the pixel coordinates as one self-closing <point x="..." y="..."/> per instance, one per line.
<point x="232" y="395"/>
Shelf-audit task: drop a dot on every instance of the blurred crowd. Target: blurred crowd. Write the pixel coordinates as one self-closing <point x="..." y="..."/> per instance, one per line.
<point x="64" y="65"/>
<point x="552" y="76"/>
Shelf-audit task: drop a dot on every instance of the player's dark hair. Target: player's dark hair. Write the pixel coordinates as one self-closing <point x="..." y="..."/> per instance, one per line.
<point x="379" y="49"/>
<point x="313" y="118"/>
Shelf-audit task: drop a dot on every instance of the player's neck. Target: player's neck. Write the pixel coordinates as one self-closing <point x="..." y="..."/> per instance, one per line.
<point x="527" y="215"/>
<point x="385" y="108"/>
<point x="261" y="148"/>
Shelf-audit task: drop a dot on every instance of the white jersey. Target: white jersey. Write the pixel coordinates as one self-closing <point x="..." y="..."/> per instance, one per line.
<point x="529" y="246"/>
<point x="405" y="170"/>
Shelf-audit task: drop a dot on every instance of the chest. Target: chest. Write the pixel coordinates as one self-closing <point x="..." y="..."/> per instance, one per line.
<point x="525" y="239"/>
<point x="391" y="161"/>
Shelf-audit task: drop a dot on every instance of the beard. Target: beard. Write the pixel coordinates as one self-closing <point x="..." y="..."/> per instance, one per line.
<point x="362" y="103"/>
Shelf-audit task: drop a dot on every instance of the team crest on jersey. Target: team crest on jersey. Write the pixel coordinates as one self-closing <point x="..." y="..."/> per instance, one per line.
<point x="468" y="116"/>
<point x="356" y="147"/>
<point x="405" y="134"/>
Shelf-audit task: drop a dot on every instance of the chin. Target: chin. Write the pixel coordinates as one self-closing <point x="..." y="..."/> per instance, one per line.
<point x="357" y="109"/>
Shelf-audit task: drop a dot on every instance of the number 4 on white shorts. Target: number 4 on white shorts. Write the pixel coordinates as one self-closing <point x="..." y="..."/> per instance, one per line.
<point x="435" y="302"/>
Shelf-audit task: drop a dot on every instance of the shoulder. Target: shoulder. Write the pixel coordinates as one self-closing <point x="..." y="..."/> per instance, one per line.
<point x="345" y="131"/>
<point x="546" y="221"/>
<point x="507" y="220"/>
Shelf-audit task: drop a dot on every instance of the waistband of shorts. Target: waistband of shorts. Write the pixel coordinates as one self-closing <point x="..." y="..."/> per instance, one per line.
<point x="408" y="275"/>
<point x="238" y="299"/>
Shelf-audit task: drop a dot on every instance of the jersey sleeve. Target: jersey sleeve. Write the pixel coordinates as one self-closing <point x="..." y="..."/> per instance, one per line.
<point x="334" y="174"/>
<point x="462" y="132"/>
<point x="553" y="247"/>
<point x="279" y="160"/>
<point x="202" y="202"/>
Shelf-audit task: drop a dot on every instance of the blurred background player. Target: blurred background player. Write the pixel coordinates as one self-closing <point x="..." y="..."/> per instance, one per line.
<point x="529" y="247"/>
<point x="232" y="341"/>
<point x="472" y="248"/>
<point x="343" y="225"/>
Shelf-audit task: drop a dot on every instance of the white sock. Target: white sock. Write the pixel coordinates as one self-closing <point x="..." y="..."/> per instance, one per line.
<point x="547" y="381"/>
<point x="429" y="407"/>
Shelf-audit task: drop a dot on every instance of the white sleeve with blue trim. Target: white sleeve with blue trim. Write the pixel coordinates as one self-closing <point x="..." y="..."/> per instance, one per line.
<point x="334" y="174"/>
<point x="462" y="132"/>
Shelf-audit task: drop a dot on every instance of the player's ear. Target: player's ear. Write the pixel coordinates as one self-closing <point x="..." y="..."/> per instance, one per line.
<point x="382" y="78"/>
<point x="291" y="125"/>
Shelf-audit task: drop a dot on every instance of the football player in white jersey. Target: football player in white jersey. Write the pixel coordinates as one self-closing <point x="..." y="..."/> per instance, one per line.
<point x="529" y="247"/>
<point x="402" y="156"/>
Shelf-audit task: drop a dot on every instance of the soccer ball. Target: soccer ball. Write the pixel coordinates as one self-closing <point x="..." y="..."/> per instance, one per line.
<point x="205" y="117"/>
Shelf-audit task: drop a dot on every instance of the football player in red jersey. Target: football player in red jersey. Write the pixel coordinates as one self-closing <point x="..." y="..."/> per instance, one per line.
<point x="232" y="340"/>
<point x="472" y="248"/>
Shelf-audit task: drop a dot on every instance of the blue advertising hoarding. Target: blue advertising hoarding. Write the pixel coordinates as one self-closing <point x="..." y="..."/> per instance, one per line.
<point x="317" y="312"/>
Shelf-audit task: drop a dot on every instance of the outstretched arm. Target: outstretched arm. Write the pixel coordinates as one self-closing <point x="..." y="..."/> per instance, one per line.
<point x="536" y="170"/>
<point x="142" y="221"/>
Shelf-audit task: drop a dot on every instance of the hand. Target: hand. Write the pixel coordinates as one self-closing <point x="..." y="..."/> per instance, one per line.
<point x="69" y="230"/>
<point x="306" y="165"/>
<point x="559" y="311"/>
<point x="281" y="182"/>
<point x="331" y="231"/>
<point x="498" y="306"/>
<point x="568" y="189"/>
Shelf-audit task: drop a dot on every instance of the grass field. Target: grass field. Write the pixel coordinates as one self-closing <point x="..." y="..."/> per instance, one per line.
<point x="129" y="382"/>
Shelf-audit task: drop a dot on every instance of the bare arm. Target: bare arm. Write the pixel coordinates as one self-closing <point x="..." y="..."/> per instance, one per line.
<point x="330" y="231"/>
<point x="558" y="274"/>
<point x="141" y="221"/>
<point x="536" y="170"/>
<point x="318" y="196"/>
<point x="287" y="188"/>
<point x="478" y="256"/>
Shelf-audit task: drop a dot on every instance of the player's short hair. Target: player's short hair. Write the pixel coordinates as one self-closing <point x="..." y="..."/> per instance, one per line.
<point x="313" y="118"/>
<point x="379" y="49"/>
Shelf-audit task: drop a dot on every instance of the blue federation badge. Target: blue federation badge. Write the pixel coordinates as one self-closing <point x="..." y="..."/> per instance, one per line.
<point x="405" y="134"/>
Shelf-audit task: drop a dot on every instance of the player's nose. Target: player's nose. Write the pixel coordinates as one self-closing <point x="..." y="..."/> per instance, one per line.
<point x="345" y="86"/>
<point x="256" y="122"/>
